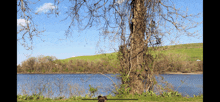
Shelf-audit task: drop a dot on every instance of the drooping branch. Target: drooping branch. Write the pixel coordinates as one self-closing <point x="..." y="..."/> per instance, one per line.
<point x="27" y="30"/>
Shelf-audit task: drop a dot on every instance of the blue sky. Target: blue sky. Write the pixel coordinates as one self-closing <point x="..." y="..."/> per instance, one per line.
<point x="81" y="43"/>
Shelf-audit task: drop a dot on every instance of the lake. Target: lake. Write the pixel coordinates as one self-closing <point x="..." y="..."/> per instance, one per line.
<point x="54" y="85"/>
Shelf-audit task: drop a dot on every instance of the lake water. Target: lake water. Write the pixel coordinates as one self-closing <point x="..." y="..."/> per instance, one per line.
<point x="54" y="85"/>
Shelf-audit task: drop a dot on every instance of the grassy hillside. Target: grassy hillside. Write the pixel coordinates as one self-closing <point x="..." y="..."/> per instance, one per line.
<point x="177" y="58"/>
<point x="92" y="57"/>
<point x="188" y="52"/>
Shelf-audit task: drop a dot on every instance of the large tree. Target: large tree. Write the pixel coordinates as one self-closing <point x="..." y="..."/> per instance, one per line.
<point x="145" y="20"/>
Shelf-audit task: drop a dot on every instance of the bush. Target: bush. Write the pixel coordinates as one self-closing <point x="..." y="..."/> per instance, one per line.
<point x="92" y="90"/>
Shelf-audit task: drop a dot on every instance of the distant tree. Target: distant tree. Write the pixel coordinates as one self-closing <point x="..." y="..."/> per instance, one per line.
<point x="51" y="58"/>
<point x="29" y="63"/>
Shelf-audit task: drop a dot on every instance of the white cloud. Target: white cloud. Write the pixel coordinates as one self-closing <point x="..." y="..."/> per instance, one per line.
<point x="21" y="22"/>
<point x="120" y="1"/>
<point x="45" y="8"/>
<point x="73" y="56"/>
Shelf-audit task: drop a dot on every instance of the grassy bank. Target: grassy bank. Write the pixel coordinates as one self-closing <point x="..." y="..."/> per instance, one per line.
<point x="140" y="99"/>
<point x="178" y="58"/>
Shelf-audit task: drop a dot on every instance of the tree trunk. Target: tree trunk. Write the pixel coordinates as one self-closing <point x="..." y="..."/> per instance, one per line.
<point x="137" y="45"/>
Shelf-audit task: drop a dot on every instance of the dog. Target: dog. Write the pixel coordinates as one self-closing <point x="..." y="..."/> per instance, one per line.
<point x="102" y="98"/>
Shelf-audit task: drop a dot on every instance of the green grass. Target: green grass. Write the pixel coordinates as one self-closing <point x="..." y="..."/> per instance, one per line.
<point x="94" y="58"/>
<point x="140" y="99"/>
<point x="194" y="51"/>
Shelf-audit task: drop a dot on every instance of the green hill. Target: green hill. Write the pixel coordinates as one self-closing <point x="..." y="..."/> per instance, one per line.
<point x="188" y="52"/>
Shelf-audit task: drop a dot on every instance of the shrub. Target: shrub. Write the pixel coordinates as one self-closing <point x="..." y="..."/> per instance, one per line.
<point x="92" y="90"/>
